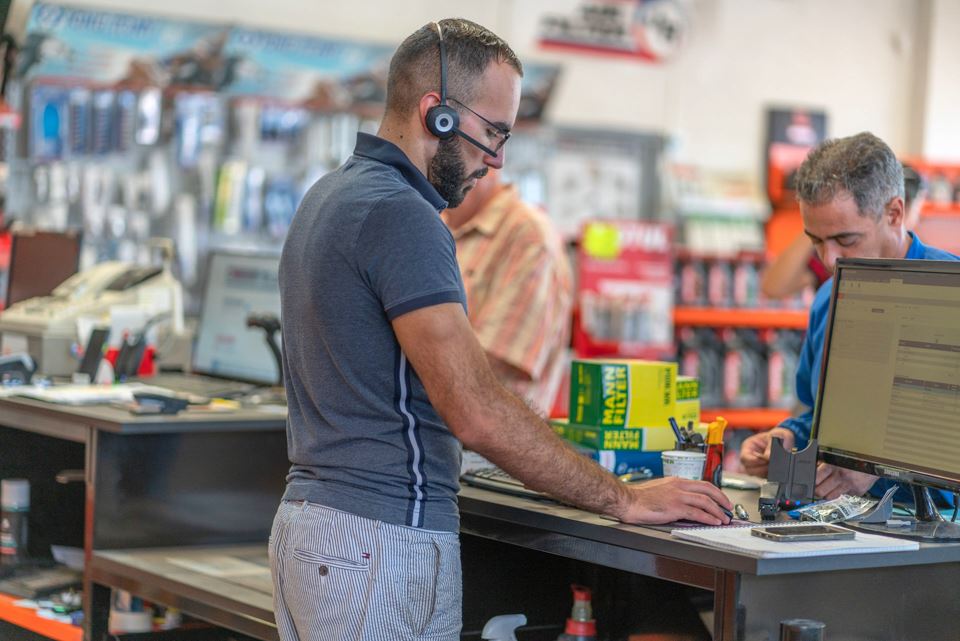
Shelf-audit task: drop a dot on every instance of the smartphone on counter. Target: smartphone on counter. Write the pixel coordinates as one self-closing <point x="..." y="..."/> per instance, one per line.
<point x="812" y="532"/>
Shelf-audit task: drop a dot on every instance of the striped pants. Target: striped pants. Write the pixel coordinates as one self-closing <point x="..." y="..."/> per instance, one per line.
<point x="341" y="577"/>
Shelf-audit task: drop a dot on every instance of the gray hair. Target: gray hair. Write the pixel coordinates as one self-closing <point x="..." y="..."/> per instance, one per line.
<point x="861" y="165"/>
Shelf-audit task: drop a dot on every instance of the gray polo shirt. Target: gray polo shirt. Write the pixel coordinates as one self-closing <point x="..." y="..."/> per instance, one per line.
<point x="367" y="245"/>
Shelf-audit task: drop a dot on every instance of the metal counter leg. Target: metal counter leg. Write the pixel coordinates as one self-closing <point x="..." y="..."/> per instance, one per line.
<point x="726" y="596"/>
<point x="98" y="613"/>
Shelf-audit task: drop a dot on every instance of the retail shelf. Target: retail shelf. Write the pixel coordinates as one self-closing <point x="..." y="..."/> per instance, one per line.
<point x="715" y="317"/>
<point x="27" y="619"/>
<point x="747" y="418"/>
<point x="940" y="209"/>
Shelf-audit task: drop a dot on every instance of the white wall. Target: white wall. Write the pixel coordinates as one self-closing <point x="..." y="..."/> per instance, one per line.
<point x="857" y="59"/>
<point x="941" y="123"/>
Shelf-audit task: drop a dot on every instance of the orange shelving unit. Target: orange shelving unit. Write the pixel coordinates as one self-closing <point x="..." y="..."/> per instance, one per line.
<point x="759" y="418"/>
<point x="27" y="618"/>
<point x="759" y="318"/>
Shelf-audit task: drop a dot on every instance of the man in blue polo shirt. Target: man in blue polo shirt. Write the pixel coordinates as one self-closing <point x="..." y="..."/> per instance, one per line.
<point x="385" y="378"/>
<point x="851" y="195"/>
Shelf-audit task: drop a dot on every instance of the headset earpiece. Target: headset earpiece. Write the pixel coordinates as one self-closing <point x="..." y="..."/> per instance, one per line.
<point x="442" y="120"/>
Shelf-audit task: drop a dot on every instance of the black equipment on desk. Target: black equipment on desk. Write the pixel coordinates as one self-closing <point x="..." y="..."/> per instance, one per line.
<point x="270" y="324"/>
<point x="39" y="262"/>
<point x="889" y="388"/>
<point x="17" y="368"/>
<point x="791" y="479"/>
<point x="493" y="478"/>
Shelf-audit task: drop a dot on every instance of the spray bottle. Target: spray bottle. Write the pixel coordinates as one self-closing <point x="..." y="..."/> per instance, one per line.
<point x="581" y="626"/>
<point x="503" y="627"/>
<point x="713" y="468"/>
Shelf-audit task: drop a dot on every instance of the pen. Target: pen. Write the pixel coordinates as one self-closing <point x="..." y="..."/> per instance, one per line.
<point x="681" y="440"/>
<point x="727" y="512"/>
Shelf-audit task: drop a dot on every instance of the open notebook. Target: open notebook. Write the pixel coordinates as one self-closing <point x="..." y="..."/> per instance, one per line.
<point x="739" y="539"/>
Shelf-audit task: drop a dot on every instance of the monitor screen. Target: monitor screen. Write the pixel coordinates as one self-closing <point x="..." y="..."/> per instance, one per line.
<point x="890" y="385"/>
<point x="39" y="261"/>
<point x="237" y="285"/>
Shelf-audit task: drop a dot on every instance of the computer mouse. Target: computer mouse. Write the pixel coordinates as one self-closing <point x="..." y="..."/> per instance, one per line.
<point x="154" y="402"/>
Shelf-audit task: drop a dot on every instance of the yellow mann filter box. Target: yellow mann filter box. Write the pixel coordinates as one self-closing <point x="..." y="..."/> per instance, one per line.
<point x="622" y="393"/>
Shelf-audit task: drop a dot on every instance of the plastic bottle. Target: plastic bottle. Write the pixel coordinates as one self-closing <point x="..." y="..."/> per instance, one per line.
<point x="693" y="281"/>
<point x="783" y="354"/>
<point x="14" y="510"/>
<point x="711" y="367"/>
<point x="581" y="626"/>
<point x="502" y="628"/>
<point x="746" y="280"/>
<point x="744" y="369"/>
<point x="719" y="283"/>
<point x="713" y="468"/>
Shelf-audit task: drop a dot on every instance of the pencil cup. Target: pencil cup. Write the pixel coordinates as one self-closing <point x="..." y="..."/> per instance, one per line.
<point x="687" y="464"/>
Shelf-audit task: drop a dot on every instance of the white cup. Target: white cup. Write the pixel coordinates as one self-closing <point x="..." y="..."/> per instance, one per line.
<point x="686" y="464"/>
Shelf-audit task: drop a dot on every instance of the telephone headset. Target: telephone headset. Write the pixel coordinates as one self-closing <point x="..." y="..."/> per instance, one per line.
<point x="443" y="121"/>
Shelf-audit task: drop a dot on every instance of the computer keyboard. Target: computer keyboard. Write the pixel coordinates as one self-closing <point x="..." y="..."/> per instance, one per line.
<point x="493" y="478"/>
<point x="199" y="385"/>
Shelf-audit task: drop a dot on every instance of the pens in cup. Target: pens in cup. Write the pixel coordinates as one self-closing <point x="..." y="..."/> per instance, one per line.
<point x="681" y="439"/>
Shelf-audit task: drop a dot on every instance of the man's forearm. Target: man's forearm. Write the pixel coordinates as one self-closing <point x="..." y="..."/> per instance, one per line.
<point x="522" y="444"/>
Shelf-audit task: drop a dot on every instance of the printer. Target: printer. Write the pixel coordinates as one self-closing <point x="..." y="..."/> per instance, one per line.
<point x="51" y="328"/>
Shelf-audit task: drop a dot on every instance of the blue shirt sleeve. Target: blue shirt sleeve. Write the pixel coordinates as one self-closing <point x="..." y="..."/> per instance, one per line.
<point x="408" y="256"/>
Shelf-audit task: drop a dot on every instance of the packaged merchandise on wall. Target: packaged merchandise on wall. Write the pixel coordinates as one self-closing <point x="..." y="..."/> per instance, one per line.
<point x="700" y="353"/>
<point x="725" y="281"/>
<point x="783" y="356"/>
<point x="744" y="369"/>
<point x="741" y="368"/>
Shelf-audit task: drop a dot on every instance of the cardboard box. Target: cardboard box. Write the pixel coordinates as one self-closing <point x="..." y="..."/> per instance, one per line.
<point x="622" y="393"/>
<point x="688" y="400"/>
<point x="647" y="439"/>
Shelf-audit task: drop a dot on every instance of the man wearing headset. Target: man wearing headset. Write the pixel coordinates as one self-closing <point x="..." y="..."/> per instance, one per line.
<point x="385" y="378"/>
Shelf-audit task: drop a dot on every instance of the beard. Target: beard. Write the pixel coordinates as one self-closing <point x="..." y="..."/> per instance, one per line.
<point x="448" y="173"/>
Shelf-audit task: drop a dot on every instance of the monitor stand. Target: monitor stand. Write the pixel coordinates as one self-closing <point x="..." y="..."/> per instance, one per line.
<point x="928" y="526"/>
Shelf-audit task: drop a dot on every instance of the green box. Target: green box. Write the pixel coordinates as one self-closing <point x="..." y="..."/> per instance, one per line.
<point x="622" y="393"/>
<point x="647" y="439"/>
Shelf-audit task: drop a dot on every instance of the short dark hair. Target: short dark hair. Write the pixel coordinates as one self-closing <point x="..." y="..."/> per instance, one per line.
<point x="913" y="184"/>
<point x="862" y="165"/>
<point x="415" y="66"/>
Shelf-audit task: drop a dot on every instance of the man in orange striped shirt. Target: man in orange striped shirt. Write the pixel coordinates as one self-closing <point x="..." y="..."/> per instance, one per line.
<point x="519" y="288"/>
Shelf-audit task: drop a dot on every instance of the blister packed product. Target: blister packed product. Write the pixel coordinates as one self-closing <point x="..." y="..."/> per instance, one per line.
<point x="843" y="508"/>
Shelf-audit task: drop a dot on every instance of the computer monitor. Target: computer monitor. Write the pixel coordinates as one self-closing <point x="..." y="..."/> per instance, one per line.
<point x="237" y="284"/>
<point x="890" y="385"/>
<point x="39" y="261"/>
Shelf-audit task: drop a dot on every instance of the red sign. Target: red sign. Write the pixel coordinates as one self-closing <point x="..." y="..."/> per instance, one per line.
<point x="625" y="290"/>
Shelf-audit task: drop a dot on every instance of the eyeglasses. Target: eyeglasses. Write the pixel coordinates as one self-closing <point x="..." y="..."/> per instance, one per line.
<point x="497" y="134"/>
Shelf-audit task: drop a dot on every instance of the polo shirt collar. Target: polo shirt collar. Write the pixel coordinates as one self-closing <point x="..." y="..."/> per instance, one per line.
<point x="491" y="216"/>
<point x="376" y="148"/>
<point x="917" y="250"/>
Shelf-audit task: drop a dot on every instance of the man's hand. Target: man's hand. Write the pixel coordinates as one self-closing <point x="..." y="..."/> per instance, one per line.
<point x="834" y="481"/>
<point x="672" y="498"/>
<point x="755" y="451"/>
